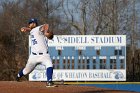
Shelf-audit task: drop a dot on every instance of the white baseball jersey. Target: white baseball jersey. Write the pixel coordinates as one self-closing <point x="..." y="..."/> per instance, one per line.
<point x="39" y="43"/>
<point x="39" y="48"/>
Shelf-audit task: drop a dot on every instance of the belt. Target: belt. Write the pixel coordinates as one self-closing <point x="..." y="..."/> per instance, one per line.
<point x="39" y="53"/>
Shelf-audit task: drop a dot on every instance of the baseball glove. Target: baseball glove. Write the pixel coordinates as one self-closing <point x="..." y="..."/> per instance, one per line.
<point x="45" y="29"/>
<point x="49" y="35"/>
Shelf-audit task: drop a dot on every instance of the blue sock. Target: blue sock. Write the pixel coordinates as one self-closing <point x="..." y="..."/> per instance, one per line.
<point x="49" y="74"/>
<point x="20" y="74"/>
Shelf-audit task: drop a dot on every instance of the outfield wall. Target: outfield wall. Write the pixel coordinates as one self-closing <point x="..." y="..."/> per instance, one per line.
<point x="85" y="58"/>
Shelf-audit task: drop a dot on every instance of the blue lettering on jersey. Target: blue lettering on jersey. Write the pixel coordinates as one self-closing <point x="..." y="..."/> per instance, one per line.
<point x="34" y="41"/>
<point x="32" y="36"/>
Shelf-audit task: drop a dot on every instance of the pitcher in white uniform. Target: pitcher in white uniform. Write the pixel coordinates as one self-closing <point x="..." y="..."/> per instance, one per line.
<point x="39" y="51"/>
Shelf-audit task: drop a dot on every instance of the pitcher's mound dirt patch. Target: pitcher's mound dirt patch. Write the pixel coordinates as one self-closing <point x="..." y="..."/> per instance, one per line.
<point x="40" y="87"/>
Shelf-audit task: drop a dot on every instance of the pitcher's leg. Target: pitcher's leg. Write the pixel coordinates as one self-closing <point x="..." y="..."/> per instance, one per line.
<point x="49" y="73"/>
<point x="28" y="69"/>
<point x="49" y="70"/>
<point x="20" y="74"/>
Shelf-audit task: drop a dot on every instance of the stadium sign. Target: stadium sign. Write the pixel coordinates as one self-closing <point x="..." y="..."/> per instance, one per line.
<point x="85" y="58"/>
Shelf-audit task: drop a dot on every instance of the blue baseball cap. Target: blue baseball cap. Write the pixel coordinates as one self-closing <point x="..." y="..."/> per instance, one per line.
<point x="33" y="20"/>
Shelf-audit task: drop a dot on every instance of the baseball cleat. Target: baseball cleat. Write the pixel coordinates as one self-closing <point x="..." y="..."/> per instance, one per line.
<point x="51" y="84"/>
<point x="17" y="79"/>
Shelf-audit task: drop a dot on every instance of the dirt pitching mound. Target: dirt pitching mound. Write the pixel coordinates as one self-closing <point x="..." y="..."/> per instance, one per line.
<point x="40" y="87"/>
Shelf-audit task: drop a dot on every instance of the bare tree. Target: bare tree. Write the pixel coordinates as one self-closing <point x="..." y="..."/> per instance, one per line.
<point x="75" y="12"/>
<point x="13" y="43"/>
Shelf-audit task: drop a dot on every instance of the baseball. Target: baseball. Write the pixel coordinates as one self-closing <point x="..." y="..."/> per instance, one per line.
<point x="22" y="29"/>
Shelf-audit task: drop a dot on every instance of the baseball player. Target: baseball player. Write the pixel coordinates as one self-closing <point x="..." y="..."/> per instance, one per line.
<point x="39" y="50"/>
